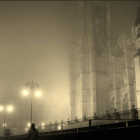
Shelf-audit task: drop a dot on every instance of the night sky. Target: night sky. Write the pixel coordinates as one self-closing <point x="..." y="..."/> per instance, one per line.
<point x="35" y="41"/>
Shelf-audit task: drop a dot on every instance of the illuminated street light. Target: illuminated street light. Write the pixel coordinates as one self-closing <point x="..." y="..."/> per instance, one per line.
<point x="4" y="124"/>
<point x="5" y="107"/>
<point x="1" y="108"/>
<point x="25" y="92"/>
<point x="59" y="127"/>
<point x="38" y="93"/>
<point x="32" y="86"/>
<point x="29" y="124"/>
<point x="10" y="108"/>
<point x="42" y="124"/>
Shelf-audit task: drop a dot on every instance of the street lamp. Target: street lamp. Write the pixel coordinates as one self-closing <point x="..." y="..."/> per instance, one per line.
<point x="59" y="127"/>
<point x="5" y="107"/>
<point x="32" y="86"/>
<point x="29" y="124"/>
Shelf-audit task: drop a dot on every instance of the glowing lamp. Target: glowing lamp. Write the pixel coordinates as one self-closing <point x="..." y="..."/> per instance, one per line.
<point x="4" y="124"/>
<point x="42" y="124"/>
<point x="38" y="93"/>
<point x="25" y="92"/>
<point x="1" y="108"/>
<point x="59" y="127"/>
<point x="9" y="108"/>
<point x="29" y="124"/>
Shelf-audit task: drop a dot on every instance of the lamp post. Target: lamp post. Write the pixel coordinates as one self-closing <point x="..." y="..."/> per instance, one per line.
<point x="3" y="107"/>
<point x="32" y="86"/>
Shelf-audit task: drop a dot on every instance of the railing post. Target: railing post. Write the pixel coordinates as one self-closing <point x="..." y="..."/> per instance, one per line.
<point x="45" y="126"/>
<point x="89" y="123"/>
<point x="84" y="118"/>
<point x="75" y="119"/>
<point x="55" y="125"/>
<point x="126" y="124"/>
<point x="61" y="126"/>
<point x="95" y="117"/>
<point x="50" y="127"/>
<point x="107" y="114"/>
<point x="133" y="113"/>
<point x="116" y="117"/>
<point x="137" y="114"/>
<point x="68" y="122"/>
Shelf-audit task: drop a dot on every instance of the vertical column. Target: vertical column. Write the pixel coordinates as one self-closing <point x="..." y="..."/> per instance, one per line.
<point x="72" y="68"/>
<point x="130" y="75"/>
<point x="137" y="57"/>
<point x="137" y="74"/>
<point x="92" y="79"/>
<point x="84" y="58"/>
<point x="108" y="21"/>
<point x="116" y="61"/>
<point x="86" y="49"/>
<point x="72" y="65"/>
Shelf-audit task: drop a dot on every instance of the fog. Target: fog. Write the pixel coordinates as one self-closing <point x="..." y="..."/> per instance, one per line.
<point x="35" y="41"/>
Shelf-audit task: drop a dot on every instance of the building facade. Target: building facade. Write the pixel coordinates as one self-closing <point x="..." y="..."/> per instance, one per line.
<point x="102" y="72"/>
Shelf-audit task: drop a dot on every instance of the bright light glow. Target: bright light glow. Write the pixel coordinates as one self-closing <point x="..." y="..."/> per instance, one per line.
<point x="26" y="129"/>
<point x="9" y="108"/>
<point x="42" y="124"/>
<point x="25" y="92"/>
<point x="36" y="127"/>
<point x="59" y="127"/>
<point x="4" y="124"/>
<point x="29" y="124"/>
<point x="43" y="127"/>
<point x="38" y="93"/>
<point x="1" y="108"/>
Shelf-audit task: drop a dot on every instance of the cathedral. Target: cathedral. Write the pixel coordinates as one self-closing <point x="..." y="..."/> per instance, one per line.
<point x="104" y="74"/>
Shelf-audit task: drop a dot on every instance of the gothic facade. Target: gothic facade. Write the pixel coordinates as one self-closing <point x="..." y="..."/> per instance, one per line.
<point x="102" y="72"/>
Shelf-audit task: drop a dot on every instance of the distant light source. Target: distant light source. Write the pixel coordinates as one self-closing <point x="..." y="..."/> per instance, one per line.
<point x="38" y="93"/>
<point x="4" y="124"/>
<point x="59" y="127"/>
<point x="1" y="108"/>
<point x="42" y="124"/>
<point x="43" y="127"/>
<point x="26" y="129"/>
<point x="9" y="108"/>
<point x="29" y="124"/>
<point x="25" y="92"/>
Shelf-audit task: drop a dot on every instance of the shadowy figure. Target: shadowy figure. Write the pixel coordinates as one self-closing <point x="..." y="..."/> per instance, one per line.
<point x="33" y="133"/>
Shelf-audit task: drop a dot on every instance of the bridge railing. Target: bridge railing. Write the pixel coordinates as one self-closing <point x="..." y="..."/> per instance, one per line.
<point x="132" y="114"/>
<point x="107" y="118"/>
<point x="124" y="124"/>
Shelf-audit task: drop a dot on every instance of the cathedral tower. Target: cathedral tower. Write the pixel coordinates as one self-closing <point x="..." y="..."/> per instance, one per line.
<point x="90" y="59"/>
<point x="137" y="57"/>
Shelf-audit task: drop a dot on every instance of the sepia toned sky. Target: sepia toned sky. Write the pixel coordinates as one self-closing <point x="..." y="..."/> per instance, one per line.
<point x="35" y="40"/>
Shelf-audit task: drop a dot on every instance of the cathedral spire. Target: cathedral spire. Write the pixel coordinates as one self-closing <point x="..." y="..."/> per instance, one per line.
<point x="137" y="22"/>
<point x="108" y="21"/>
